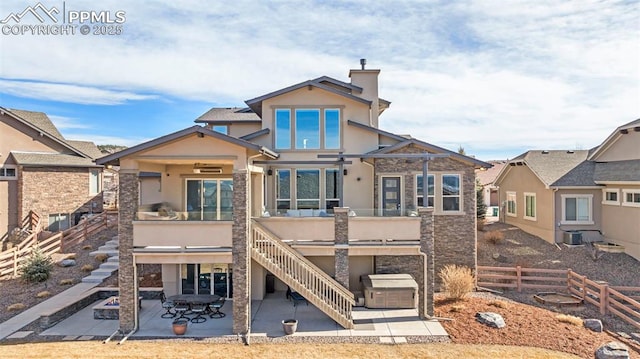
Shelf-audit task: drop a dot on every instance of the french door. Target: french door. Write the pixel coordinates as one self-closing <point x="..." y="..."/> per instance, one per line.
<point x="206" y="278"/>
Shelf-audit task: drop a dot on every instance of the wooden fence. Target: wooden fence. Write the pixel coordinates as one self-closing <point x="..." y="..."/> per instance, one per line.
<point x="10" y="260"/>
<point x="618" y="300"/>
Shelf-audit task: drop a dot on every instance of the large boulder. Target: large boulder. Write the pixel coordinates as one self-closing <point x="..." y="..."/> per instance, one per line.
<point x="613" y="350"/>
<point x="67" y="263"/>
<point x="493" y="320"/>
<point x="593" y="324"/>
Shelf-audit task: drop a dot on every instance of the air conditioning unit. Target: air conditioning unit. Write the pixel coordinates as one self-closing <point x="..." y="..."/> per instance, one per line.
<point x="572" y="237"/>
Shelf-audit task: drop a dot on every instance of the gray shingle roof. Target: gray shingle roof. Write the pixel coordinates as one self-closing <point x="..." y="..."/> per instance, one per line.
<point x="579" y="176"/>
<point x="87" y="147"/>
<point x="489" y="175"/>
<point x="50" y="159"/>
<point x="40" y="120"/>
<point x="618" y="171"/>
<point x="228" y="114"/>
<point x="550" y="166"/>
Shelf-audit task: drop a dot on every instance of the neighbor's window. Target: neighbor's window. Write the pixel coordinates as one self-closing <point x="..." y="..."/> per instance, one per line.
<point x="283" y="190"/>
<point x="94" y="182"/>
<point x="420" y="191"/>
<point x="308" y="188"/>
<point x="221" y="129"/>
<point x="283" y="129"/>
<point x="610" y="196"/>
<point x="451" y="193"/>
<point x="8" y="172"/>
<point x="577" y="209"/>
<point x="307" y="129"/>
<point x="511" y="204"/>
<point x="530" y="206"/>
<point x="332" y="128"/>
<point x="331" y="189"/>
<point x="59" y="222"/>
<point x="631" y="197"/>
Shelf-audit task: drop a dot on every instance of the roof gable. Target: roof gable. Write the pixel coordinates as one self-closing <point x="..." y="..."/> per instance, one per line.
<point x="633" y="126"/>
<point x="548" y="166"/>
<point x="225" y="115"/>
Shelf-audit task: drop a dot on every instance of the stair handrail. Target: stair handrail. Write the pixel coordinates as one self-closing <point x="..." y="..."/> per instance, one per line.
<point x="303" y="260"/>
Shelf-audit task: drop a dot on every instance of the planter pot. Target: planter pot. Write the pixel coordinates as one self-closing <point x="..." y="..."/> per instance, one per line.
<point x="289" y="326"/>
<point x="180" y="326"/>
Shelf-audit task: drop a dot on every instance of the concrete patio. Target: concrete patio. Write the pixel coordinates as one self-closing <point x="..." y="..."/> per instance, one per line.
<point x="267" y="316"/>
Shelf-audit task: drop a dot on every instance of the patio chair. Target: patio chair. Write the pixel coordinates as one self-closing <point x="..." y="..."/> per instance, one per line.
<point x="167" y="305"/>
<point x="198" y="309"/>
<point x="181" y="308"/>
<point x="297" y="297"/>
<point x="215" y="309"/>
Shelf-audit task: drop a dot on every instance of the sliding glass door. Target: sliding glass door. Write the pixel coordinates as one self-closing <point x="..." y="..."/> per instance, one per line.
<point x="207" y="278"/>
<point x="209" y="199"/>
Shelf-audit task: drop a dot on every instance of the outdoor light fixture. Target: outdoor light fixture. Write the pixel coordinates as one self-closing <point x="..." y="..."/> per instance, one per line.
<point x="269" y="172"/>
<point x="344" y="171"/>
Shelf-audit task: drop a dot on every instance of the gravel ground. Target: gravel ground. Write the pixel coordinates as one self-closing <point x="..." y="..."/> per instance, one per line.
<point x="526" y="250"/>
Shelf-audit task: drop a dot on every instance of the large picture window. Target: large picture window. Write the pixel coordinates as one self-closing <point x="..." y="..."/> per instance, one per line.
<point x="451" y="193"/>
<point x="511" y="204"/>
<point x="577" y="209"/>
<point x="420" y="191"/>
<point x="283" y="190"/>
<point x="283" y="129"/>
<point x="209" y="199"/>
<point x="332" y="128"/>
<point x="308" y="189"/>
<point x="307" y="129"/>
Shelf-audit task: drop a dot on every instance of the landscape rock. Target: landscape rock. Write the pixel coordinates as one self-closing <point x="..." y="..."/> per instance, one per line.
<point x="593" y="324"/>
<point x="67" y="263"/>
<point x="500" y="258"/>
<point x="493" y="320"/>
<point x="612" y="350"/>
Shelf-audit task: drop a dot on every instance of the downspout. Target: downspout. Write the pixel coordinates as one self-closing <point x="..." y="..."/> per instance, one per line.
<point x="424" y="283"/>
<point x="135" y="302"/>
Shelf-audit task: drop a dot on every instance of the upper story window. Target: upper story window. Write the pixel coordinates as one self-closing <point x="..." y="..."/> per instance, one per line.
<point x="308" y="188"/>
<point x="307" y="128"/>
<point x="94" y="182"/>
<point x="283" y="189"/>
<point x="631" y="197"/>
<point x="511" y="204"/>
<point x="611" y="196"/>
<point x="8" y="172"/>
<point x="451" y="193"/>
<point x="577" y="209"/>
<point x="283" y="129"/>
<point x="420" y="191"/>
<point x="221" y="129"/>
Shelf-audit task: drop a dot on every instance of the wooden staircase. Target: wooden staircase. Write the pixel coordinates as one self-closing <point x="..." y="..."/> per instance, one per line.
<point x="301" y="275"/>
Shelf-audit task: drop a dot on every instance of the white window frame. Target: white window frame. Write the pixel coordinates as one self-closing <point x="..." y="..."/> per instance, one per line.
<point x="535" y="209"/>
<point x="611" y="190"/>
<point x="320" y="187"/>
<point x="417" y="195"/>
<point x="511" y="195"/>
<point x="98" y="178"/>
<point x="624" y="197"/>
<point x="277" y="190"/>
<point x="459" y="195"/>
<point x="563" y="198"/>
<point x="3" y="172"/>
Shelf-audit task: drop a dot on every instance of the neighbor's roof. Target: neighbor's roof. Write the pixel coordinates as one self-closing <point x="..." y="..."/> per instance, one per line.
<point x="489" y="175"/>
<point x="115" y="157"/>
<point x="25" y="158"/>
<point x="87" y="147"/>
<point x="226" y="115"/>
<point x="614" y="136"/>
<point x="550" y="165"/>
<point x="617" y="171"/>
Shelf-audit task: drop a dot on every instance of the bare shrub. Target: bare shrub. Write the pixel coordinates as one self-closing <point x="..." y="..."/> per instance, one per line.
<point x="101" y="257"/>
<point x="66" y="282"/>
<point x="498" y="304"/>
<point x="494" y="237"/>
<point x="87" y="247"/>
<point x="457" y="308"/>
<point x="16" y="307"/>
<point x="43" y="294"/>
<point x="87" y="268"/>
<point x="569" y="319"/>
<point x="70" y="256"/>
<point x="457" y="281"/>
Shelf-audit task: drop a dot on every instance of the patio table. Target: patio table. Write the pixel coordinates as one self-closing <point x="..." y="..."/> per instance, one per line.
<point x="195" y="298"/>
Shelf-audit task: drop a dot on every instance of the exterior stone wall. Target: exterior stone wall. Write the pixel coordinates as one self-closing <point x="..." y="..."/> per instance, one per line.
<point x="240" y="253"/>
<point x="128" y="199"/>
<point x="341" y="223"/>
<point x="427" y="234"/>
<point x="53" y="190"/>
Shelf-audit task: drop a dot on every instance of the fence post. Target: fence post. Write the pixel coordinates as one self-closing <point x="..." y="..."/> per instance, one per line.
<point x="569" y="280"/>
<point x="15" y="262"/>
<point x="519" y="278"/>
<point x="604" y="298"/>
<point x="84" y="230"/>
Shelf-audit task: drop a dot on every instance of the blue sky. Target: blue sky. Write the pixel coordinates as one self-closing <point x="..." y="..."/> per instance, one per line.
<point x="495" y="77"/>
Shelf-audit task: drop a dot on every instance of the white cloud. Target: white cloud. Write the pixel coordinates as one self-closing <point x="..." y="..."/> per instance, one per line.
<point x="63" y="123"/>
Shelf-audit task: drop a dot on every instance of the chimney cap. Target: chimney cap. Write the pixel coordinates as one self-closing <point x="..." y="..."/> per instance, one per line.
<point x="363" y="62"/>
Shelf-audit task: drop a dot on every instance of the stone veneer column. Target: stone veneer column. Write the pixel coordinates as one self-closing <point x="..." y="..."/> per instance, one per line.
<point x="240" y="252"/>
<point x="128" y="198"/>
<point x="425" y="307"/>
<point x="341" y="228"/>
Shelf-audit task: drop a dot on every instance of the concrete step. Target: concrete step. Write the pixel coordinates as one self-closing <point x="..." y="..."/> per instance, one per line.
<point x="105" y="272"/>
<point x="110" y="253"/>
<point x="110" y="265"/>
<point x="114" y="238"/>
<point x="93" y="279"/>
<point x="108" y="248"/>
<point x="114" y="259"/>
<point x="112" y="243"/>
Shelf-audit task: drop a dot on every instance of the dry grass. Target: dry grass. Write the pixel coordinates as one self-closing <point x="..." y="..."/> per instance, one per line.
<point x="457" y="308"/>
<point x="569" y="319"/>
<point x="494" y="237"/>
<point x="66" y="282"/>
<point x="16" y="307"/>
<point x="101" y="257"/>
<point x="87" y="247"/>
<point x="498" y="304"/>
<point x="43" y="294"/>
<point x="87" y="268"/>
<point x="197" y="350"/>
<point x="70" y="256"/>
<point x="457" y="281"/>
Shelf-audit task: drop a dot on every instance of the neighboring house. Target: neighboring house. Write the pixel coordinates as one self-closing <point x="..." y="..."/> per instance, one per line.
<point x="486" y="179"/>
<point x="303" y="185"/>
<point x="42" y="171"/>
<point x="595" y="192"/>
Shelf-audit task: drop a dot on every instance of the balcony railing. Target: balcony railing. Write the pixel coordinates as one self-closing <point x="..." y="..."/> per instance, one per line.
<point x="353" y="212"/>
<point x="185" y="216"/>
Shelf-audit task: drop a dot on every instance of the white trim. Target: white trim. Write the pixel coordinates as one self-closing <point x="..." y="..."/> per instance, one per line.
<point x="515" y="204"/>
<point x="425" y="188"/>
<point x="624" y="197"/>
<point x="535" y="208"/>
<point x="460" y="193"/>
<point x="589" y="197"/>
<point x="2" y="172"/>
<point x="619" y="183"/>
<point x="604" y="196"/>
